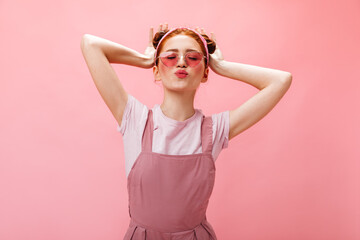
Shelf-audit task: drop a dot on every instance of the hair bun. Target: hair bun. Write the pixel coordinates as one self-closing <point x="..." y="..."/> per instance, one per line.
<point x="158" y="36"/>
<point x="211" y="45"/>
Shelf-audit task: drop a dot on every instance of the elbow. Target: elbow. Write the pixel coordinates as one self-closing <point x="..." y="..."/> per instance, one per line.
<point x="85" y="40"/>
<point x="286" y="80"/>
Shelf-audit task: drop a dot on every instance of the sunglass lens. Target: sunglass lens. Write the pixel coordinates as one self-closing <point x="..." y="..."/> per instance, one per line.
<point x="193" y="58"/>
<point x="169" y="59"/>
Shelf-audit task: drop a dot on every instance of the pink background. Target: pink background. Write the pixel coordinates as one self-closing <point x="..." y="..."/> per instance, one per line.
<point x="293" y="175"/>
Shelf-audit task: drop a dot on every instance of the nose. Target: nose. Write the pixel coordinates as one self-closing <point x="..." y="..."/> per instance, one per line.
<point x="181" y="61"/>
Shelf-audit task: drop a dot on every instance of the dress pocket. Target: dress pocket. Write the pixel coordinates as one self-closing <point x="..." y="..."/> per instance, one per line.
<point x="204" y="232"/>
<point x="135" y="233"/>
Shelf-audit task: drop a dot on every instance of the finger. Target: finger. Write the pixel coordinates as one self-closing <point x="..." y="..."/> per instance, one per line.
<point x="198" y="29"/>
<point x="151" y="32"/>
<point x="166" y="26"/>
<point x="162" y="27"/>
<point x="213" y="37"/>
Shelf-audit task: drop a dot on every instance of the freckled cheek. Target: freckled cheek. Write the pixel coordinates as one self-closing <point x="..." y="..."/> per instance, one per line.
<point x="162" y="67"/>
<point x="198" y="69"/>
<point x="164" y="70"/>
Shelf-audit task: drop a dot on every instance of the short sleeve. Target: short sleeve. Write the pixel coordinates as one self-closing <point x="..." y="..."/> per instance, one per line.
<point x="133" y="112"/>
<point x="221" y="125"/>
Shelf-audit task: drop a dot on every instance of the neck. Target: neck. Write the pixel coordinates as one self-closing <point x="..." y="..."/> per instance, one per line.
<point x="178" y="105"/>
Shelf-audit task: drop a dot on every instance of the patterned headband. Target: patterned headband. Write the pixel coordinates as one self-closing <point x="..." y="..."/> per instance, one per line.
<point x="201" y="37"/>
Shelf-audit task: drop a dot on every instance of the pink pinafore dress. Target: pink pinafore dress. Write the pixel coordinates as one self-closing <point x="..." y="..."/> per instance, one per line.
<point x="169" y="194"/>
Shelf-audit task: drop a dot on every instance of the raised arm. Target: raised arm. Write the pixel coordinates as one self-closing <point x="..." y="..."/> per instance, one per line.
<point x="98" y="54"/>
<point x="272" y="83"/>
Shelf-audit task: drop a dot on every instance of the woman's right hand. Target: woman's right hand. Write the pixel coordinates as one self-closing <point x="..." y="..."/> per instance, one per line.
<point x="150" y="50"/>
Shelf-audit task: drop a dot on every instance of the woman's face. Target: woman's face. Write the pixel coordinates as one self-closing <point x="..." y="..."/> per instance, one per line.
<point x="195" y="75"/>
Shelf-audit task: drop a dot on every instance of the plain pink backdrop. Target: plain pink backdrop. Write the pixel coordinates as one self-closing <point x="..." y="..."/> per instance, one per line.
<point x="293" y="175"/>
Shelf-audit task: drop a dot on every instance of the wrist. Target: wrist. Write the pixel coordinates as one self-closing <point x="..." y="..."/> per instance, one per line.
<point x="219" y="67"/>
<point x="139" y="60"/>
<point x="148" y="62"/>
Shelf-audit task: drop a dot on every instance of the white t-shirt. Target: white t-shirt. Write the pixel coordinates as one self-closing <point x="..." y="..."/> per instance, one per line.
<point x="170" y="136"/>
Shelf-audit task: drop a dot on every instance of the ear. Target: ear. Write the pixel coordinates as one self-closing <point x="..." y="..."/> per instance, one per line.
<point x="206" y="75"/>
<point x="156" y="73"/>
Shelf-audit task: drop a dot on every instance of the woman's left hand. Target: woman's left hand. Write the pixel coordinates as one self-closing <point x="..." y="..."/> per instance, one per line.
<point x="215" y="58"/>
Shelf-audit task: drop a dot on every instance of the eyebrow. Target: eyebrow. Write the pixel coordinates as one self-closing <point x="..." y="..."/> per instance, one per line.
<point x="176" y="50"/>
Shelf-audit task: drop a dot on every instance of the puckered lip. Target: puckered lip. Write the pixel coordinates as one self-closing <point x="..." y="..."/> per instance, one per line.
<point x="181" y="72"/>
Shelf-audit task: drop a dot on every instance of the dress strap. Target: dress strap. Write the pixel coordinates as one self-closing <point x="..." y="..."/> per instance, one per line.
<point x="207" y="134"/>
<point x="146" y="144"/>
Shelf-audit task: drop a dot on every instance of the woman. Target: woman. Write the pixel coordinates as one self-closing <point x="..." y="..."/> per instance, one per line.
<point x="170" y="182"/>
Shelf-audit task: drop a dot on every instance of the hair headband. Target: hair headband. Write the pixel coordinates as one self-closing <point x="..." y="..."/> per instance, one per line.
<point x="201" y="37"/>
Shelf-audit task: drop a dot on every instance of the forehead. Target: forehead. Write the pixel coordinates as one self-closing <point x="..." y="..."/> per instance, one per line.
<point x="181" y="42"/>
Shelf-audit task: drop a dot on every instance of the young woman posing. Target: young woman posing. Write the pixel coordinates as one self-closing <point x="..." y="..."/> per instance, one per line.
<point x="170" y="149"/>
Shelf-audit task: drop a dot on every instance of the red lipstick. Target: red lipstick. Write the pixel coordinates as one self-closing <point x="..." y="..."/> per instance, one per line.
<point x="181" y="73"/>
